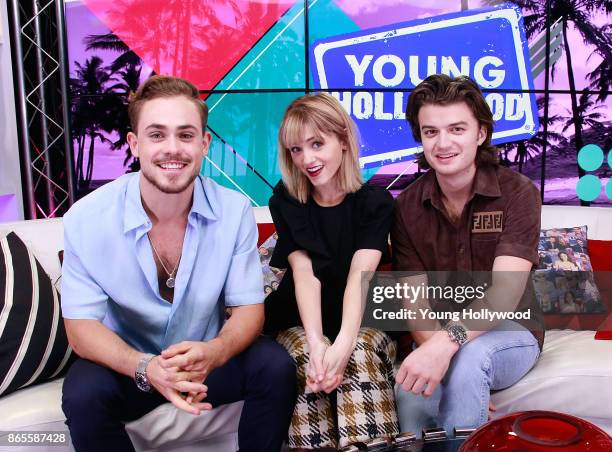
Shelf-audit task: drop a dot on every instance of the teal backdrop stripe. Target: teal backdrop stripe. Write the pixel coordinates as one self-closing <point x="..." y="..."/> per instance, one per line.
<point x="249" y="122"/>
<point x="246" y="124"/>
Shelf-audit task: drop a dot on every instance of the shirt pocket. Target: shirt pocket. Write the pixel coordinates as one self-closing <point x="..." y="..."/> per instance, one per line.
<point x="483" y="250"/>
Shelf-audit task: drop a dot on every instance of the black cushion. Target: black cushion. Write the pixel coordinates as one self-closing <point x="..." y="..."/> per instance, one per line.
<point x="33" y="342"/>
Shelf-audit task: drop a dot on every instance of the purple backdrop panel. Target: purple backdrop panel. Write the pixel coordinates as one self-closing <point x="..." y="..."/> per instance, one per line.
<point x="8" y="208"/>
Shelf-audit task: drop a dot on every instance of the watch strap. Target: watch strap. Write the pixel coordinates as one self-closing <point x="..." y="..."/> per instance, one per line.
<point x="141" y="373"/>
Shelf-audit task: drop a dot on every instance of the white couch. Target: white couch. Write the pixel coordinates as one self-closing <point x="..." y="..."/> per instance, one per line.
<point x="573" y="375"/>
<point x="574" y="372"/>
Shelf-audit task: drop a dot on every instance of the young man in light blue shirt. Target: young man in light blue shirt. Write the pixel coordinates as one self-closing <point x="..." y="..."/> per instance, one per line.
<point x="151" y="262"/>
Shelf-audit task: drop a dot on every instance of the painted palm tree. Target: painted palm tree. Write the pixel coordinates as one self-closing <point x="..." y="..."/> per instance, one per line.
<point x="200" y="28"/>
<point x="163" y="31"/>
<point x="593" y="123"/>
<point x="601" y="77"/>
<point x="588" y="114"/>
<point x="127" y="83"/>
<point x="578" y="13"/>
<point x="89" y="113"/>
<point x="144" y="23"/>
<point x="526" y="150"/>
<point x="110" y="41"/>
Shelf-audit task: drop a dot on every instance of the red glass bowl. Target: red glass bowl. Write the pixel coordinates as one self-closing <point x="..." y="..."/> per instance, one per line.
<point x="538" y="431"/>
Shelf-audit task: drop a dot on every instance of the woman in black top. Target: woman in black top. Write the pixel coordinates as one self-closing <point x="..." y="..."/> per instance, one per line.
<point x="331" y="228"/>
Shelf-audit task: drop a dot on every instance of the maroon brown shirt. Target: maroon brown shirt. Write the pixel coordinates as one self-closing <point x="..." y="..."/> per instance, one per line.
<point x="501" y="218"/>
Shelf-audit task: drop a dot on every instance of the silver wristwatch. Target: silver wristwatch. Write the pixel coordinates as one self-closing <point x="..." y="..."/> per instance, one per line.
<point x="456" y="332"/>
<point x="141" y="373"/>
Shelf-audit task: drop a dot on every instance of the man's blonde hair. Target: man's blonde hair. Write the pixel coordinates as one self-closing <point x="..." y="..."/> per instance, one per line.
<point x="324" y="114"/>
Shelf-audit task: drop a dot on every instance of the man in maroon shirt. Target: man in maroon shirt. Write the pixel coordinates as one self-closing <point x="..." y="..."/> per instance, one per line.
<point x="465" y="214"/>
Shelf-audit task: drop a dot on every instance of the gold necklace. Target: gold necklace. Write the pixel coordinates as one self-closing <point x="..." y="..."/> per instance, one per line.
<point x="170" y="281"/>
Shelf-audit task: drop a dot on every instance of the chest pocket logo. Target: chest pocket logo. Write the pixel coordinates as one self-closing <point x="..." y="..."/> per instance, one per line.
<point x="487" y="222"/>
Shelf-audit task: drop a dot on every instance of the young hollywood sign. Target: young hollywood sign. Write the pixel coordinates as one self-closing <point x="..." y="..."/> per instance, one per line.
<point x="488" y="45"/>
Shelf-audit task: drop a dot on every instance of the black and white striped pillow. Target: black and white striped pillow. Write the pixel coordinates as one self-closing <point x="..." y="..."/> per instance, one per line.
<point x="33" y="342"/>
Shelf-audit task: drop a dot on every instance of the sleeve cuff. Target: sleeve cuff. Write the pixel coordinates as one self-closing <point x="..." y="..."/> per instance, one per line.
<point x="243" y="299"/>
<point x="517" y="250"/>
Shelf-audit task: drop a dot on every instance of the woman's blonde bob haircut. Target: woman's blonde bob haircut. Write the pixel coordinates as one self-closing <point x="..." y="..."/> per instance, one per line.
<point x="324" y="114"/>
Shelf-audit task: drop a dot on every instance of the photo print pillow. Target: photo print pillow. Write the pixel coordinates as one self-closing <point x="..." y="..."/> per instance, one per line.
<point x="272" y="275"/>
<point x="564" y="281"/>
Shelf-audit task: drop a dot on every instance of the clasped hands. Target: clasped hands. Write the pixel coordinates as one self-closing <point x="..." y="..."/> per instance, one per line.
<point x="327" y="363"/>
<point x="179" y="372"/>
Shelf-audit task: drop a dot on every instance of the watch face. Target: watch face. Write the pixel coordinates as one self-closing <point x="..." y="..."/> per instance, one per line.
<point x="142" y="382"/>
<point x="458" y="333"/>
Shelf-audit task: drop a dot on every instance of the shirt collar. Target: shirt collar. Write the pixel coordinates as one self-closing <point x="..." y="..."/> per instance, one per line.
<point x="134" y="214"/>
<point x="204" y="203"/>
<point x="485" y="184"/>
<point x="431" y="190"/>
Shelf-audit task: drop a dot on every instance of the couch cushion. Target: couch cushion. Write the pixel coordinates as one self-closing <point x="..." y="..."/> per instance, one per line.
<point x="44" y="237"/>
<point x="168" y="427"/>
<point x="39" y="408"/>
<point x="33" y="342"/>
<point x="36" y="408"/>
<point x="573" y="376"/>
<point x="38" y="404"/>
<point x="597" y="219"/>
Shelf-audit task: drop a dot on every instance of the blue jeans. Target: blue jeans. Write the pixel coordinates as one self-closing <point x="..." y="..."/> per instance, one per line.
<point x="495" y="360"/>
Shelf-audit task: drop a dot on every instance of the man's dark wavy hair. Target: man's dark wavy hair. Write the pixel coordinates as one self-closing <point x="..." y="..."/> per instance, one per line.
<point x="440" y="89"/>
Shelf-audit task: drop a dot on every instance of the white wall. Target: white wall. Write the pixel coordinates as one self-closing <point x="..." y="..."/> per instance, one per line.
<point x="10" y="179"/>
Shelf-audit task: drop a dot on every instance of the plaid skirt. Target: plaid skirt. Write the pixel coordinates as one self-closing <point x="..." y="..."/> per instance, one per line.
<point x="365" y="405"/>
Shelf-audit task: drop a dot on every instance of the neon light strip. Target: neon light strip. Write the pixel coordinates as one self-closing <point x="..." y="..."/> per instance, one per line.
<point x="410" y="165"/>
<point x="232" y="181"/>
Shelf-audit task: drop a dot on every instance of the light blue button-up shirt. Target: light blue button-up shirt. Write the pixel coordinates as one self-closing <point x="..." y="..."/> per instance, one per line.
<point x="109" y="272"/>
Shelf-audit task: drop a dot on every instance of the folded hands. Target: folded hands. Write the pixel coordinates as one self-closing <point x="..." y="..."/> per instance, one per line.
<point x="325" y="369"/>
<point x="179" y="372"/>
